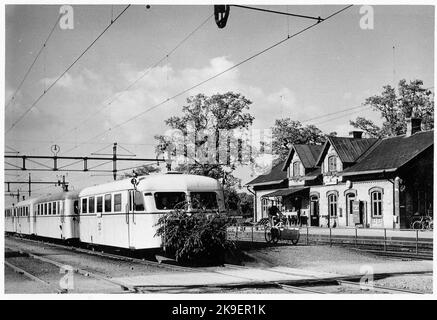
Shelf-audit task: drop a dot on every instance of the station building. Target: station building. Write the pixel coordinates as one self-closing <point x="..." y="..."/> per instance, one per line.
<point x="353" y="181"/>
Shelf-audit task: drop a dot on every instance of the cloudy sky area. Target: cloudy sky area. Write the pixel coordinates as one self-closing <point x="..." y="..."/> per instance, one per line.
<point x="331" y="67"/>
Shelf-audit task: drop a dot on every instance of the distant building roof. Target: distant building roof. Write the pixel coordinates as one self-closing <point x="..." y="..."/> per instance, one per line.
<point x="348" y="149"/>
<point x="276" y="175"/>
<point x="307" y="153"/>
<point x="392" y="153"/>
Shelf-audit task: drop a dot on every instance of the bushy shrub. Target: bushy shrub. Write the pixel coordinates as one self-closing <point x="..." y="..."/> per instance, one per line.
<point x="196" y="237"/>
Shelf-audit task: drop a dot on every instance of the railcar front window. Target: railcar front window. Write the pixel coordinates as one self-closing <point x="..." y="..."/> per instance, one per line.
<point x="204" y="200"/>
<point x="168" y="200"/>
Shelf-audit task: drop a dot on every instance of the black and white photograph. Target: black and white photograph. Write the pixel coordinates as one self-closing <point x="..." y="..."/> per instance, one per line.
<point x="230" y="151"/>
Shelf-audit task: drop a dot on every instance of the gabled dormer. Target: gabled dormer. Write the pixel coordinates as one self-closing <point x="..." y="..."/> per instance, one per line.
<point x="301" y="164"/>
<point x="339" y="153"/>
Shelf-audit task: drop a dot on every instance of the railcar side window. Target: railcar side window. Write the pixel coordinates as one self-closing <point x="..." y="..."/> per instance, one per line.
<point x="117" y="202"/>
<point x="45" y="209"/>
<point x="84" y="205"/>
<point x="99" y="204"/>
<point x="204" y="200"/>
<point x="108" y="205"/>
<point x="138" y="201"/>
<point x="27" y="211"/>
<point x="168" y="200"/>
<point x="54" y="207"/>
<point x="91" y="205"/>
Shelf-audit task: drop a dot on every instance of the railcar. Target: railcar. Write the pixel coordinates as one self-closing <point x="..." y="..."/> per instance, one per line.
<point x="18" y="218"/>
<point x="125" y="213"/>
<point x="57" y="216"/>
<point x="10" y="220"/>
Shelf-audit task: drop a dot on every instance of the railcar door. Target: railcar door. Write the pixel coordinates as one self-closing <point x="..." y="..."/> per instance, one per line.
<point x="62" y="218"/>
<point x="139" y="223"/>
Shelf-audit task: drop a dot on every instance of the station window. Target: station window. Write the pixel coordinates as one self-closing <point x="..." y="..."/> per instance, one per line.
<point x="45" y="209"/>
<point x="99" y="204"/>
<point x="296" y="169"/>
<point x="332" y="205"/>
<point x="50" y="208"/>
<point x="27" y="211"/>
<point x="54" y="207"/>
<point x="84" y="205"/>
<point x="117" y="202"/>
<point x="168" y="200"/>
<point x="108" y="204"/>
<point x="91" y="205"/>
<point x="332" y="164"/>
<point x="376" y="199"/>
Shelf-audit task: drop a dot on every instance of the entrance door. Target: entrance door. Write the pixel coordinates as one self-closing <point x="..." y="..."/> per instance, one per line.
<point x="350" y="198"/>
<point x="314" y="211"/>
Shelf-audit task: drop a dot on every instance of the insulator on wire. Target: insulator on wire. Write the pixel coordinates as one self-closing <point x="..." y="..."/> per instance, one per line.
<point x="221" y="15"/>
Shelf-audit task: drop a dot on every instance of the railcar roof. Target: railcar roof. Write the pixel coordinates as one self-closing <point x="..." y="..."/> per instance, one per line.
<point x="58" y="196"/>
<point x="157" y="182"/>
<point x="25" y="202"/>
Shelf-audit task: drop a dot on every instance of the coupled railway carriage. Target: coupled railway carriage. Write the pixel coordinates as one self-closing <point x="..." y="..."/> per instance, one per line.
<point x="57" y="216"/>
<point x="10" y="220"/>
<point x="125" y="213"/>
<point x="18" y="219"/>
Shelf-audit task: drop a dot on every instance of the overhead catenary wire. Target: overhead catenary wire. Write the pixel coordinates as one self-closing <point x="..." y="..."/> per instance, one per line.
<point x="138" y="115"/>
<point x="142" y="75"/>
<point x="34" y="61"/>
<point x="66" y="70"/>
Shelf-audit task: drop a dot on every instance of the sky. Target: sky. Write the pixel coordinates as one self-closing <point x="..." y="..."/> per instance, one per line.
<point x="334" y="66"/>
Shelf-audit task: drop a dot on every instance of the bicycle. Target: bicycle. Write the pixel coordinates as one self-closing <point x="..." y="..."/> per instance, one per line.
<point x="424" y="223"/>
<point x="273" y="232"/>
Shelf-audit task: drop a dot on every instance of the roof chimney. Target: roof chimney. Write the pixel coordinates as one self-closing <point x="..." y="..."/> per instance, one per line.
<point x="356" y="134"/>
<point x="413" y="126"/>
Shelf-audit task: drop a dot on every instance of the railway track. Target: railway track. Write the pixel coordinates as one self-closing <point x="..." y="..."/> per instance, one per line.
<point x="78" y="270"/>
<point x="309" y="287"/>
<point x="101" y="253"/>
<point x="313" y="286"/>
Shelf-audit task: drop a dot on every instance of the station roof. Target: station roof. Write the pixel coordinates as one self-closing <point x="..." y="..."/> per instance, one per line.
<point x="276" y="175"/>
<point x="285" y="192"/>
<point x="308" y="155"/>
<point x="348" y="149"/>
<point x="392" y="153"/>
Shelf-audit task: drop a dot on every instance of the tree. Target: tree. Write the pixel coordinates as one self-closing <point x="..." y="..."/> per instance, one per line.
<point x="141" y="171"/>
<point x="411" y="99"/>
<point x="287" y="132"/>
<point x="195" y="238"/>
<point x="205" y="117"/>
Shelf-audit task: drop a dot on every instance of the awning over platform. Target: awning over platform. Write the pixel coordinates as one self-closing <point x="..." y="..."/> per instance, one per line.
<point x="284" y="192"/>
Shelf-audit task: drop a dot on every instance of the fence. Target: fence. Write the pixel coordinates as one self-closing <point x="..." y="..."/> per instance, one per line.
<point x="416" y="241"/>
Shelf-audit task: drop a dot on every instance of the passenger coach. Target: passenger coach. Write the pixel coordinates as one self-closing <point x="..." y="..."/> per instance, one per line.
<point x="57" y="216"/>
<point x="125" y="213"/>
<point x="18" y="219"/>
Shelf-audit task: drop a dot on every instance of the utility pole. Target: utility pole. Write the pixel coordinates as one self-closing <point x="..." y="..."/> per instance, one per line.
<point x="30" y="183"/>
<point x="114" y="161"/>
